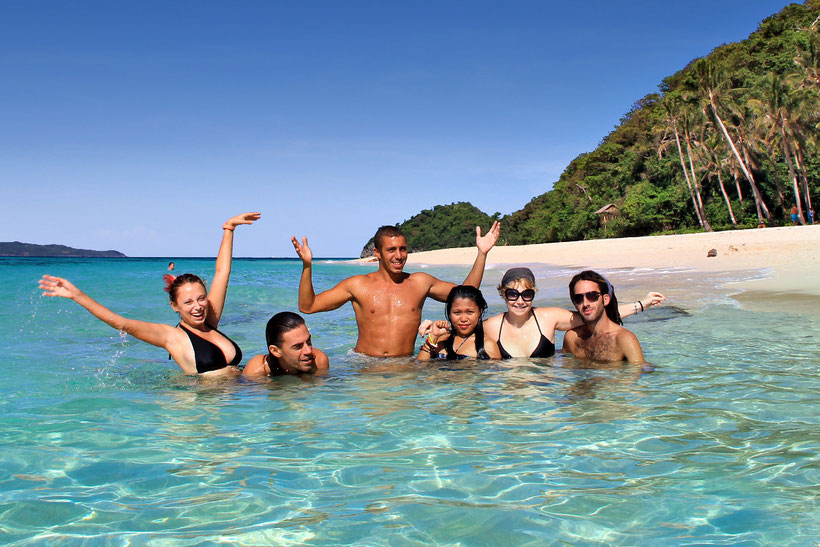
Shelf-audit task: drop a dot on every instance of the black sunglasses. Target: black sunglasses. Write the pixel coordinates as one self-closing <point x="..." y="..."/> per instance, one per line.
<point x="512" y="295"/>
<point x="592" y="296"/>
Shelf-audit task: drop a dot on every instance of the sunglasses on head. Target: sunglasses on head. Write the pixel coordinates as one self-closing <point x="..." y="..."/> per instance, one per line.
<point x="512" y="295"/>
<point x="592" y="296"/>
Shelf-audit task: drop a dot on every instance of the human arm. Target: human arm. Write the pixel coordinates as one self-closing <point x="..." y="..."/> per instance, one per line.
<point x="322" y="361"/>
<point x="155" y="334"/>
<point x="219" y="285"/>
<point x="483" y="244"/>
<point x="491" y="347"/>
<point x="309" y="301"/>
<point x="439" y="332"/>
<point x="631" y="348"/>
<point x="650" y="300"/>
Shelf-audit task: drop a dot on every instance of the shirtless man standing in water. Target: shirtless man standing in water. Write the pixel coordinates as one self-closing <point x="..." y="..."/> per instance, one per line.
<point x="387" y="302"/>
<point x="601" y="338"/>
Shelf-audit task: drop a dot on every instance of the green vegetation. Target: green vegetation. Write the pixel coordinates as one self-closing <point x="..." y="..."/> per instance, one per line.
<point x="731" y="140"/>
<point x="443" y="226"/>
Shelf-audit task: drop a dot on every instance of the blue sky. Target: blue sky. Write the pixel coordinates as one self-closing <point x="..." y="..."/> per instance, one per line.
<point x="142" y="126"/>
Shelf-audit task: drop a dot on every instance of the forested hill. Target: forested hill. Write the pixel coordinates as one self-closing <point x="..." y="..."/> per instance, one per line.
<point x="15" y="248"/>
<point x="443" y="226"/>
<point x="731" y="140"/>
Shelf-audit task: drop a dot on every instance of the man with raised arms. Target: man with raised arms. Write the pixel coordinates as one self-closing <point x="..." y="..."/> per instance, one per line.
<point x="387" y="302"/>
<point x="601" y="337"/>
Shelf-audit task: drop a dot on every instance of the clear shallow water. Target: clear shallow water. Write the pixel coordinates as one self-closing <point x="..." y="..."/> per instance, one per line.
<point x="106" y="441"/>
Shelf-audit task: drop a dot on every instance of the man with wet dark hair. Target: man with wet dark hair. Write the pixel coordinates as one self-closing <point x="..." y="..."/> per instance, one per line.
<point x="601" y="338"/>
<point x="387" y="302"/>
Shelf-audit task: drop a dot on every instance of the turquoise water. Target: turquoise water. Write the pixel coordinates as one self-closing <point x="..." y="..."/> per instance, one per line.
<point x="105" y="441"/>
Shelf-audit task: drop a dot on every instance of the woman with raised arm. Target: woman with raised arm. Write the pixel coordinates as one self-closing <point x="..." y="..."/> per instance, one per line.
<point x="526" y="331"/>
<point x="462" y="335"/>
<point x="195" y="343"/>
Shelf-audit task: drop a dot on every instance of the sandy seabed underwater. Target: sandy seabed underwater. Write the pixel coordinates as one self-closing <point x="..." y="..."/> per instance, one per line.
<point x="106" y="441"/>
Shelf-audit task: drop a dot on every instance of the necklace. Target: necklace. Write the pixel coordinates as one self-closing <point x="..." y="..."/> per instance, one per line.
<point x="462" y="342"/>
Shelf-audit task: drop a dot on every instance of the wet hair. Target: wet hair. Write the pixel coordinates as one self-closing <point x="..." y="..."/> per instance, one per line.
<point x="470" y="293"/>
<point x="514" y="275"/>
<point x="604" y="287"/>
<point x="173" y="283"/>
<point x="276" y="328"/>
<point x="386" y="231"/>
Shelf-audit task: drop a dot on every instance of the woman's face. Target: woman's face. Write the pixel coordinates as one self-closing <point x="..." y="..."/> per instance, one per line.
<point x="513" y="297"/>
<point x="191" y="304"/>
<point x="464" y="315"/>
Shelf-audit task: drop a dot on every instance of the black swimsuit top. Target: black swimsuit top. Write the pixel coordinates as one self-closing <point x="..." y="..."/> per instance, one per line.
<point x="545" y="348"/>
<point x="208" y="356"/>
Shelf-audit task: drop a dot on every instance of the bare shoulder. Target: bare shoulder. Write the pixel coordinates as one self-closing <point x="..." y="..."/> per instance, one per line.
<point x="322" y="361"/>
<point x="624" y="336"/>
<point x="256" y="367"/>
<point x="422" y="278"/>
<point x="491" y="326"/>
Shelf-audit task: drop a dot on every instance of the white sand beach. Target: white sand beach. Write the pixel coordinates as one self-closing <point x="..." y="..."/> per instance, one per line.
<point x="783" y="264"/>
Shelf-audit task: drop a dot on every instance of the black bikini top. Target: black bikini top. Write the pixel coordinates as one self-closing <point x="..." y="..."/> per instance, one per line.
<point x="545" y="348"/>
<point x="208" y="356"/>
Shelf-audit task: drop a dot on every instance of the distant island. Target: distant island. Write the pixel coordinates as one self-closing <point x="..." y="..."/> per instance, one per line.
<point x="16" y="248"/>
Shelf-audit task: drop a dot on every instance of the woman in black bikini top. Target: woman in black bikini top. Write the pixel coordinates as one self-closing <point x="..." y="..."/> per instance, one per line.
<point x="195" y="344"/>
<point x="530" y="331"/>
<point x="462" y="336"/>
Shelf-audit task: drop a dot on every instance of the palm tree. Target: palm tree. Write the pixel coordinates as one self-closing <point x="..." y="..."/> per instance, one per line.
<point x="710" y="85"/>
<point x="674" y="111"/>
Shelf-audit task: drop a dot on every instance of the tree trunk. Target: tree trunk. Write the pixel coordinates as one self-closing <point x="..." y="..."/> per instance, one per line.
<point x="758" y="197"/>
<point x="788" y="157"/>
<point x="804" y="179"/>
<point x="781" y="196"/>
<point x="726" y="198"/>
<point x="696" y="184"/>
<point x="686" y="175"/>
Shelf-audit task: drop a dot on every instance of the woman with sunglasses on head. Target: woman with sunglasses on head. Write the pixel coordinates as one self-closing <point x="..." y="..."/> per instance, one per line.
<point x="195" y="343"/>
<point x="525" y="331"/>
<point x="462" y="335"/>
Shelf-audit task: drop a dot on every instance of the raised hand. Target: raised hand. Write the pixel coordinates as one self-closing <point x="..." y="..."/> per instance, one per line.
<point x="487" y="241"/>
<point x="652" y="299"/>
<point x="57" y="286"/>
<point x="302" y="250"/>
<point x="439" y="331"/>
<point x="425" y="327"/>
<point x="244" y="218"/>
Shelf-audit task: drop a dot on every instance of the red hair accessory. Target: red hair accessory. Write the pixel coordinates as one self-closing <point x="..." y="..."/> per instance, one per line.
<point x="169" y="280"/>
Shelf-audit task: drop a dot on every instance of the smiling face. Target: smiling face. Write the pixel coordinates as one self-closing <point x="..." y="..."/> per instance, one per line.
<point x="519" y="306"/>
<point x="191" y="304"/>
<point x="295" y="351"/>
<point x="464" y="316"/>
<point x="392" y="253"/>
<point x="590" y="311"/>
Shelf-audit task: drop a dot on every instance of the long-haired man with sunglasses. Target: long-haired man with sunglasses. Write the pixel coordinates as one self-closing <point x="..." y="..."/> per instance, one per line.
<point x="601" y="337"/>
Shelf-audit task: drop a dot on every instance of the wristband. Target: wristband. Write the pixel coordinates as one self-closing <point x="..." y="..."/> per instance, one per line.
<point x="641" y="303"/>
<point x="227" y="226"/>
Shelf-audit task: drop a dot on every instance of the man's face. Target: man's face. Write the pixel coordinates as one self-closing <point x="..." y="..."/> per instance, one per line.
<point x="586" y="291"/>
<point x="296" y="352"/>
<point x="392" y="253"/>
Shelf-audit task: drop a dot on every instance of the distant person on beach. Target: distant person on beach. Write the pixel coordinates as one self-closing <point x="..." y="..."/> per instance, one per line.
<point x="601" y="338"/>
<point x="461" y="336"/>
<point x="387" y="302"/>
<point x="794" y="214"/>
<point x="171" y="266"/>
<point x="526" y="331"/>
<point x="290" y="350"/>
<point x="811" y="216"/>
<point x="195" y="343"/>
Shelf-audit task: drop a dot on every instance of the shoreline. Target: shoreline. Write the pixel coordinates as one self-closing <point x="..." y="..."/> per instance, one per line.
<point x="780" y="266"/>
